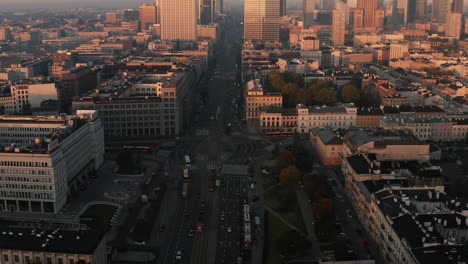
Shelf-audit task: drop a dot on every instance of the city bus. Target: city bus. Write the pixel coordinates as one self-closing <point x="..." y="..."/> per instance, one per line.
<point x="246" y="213"/>
<point x="247" y="236"/>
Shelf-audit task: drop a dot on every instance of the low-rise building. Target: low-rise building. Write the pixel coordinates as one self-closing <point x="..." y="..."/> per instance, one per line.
<point x="327" y="144"/>
<point x="459" y="129"/>
<point x="256" y="98"/>
<point x="26" y="245"/>
<point x="369" y="117"/>
<point x="278" y="122"/>
<point x="343" y="116"/>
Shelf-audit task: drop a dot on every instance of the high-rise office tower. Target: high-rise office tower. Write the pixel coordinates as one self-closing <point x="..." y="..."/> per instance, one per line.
<point x="148" y="15"/>
<point x="358" y="18"/>
<point x="369" y="7"/>
<point x="339" y="24"/>
<point x="178" y="19"/>
<point x="457" y="6"/>
<point x="439" y="10"/>
<point x="111" y="18"/>
<point x="218" y="6"/>
<point x="261" y="20"/>
<point x="379" y="19"/>
<point x="206" y="12"/>
<point x="352" y="3"/>
<point x="400" y="12"/>
<point x="309" y="9"/>
<point x="328" y="5"/>
<point x="282" y="8"/>
<point x="420" y="9"/>
<point x="453" y="26"/>
<point x="131" y="15"/>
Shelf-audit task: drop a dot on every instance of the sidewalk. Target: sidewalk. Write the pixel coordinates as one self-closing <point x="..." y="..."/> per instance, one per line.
<point x="307" y="215"/>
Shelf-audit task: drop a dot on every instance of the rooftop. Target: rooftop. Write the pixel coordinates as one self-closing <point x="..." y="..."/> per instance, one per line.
<point x="57" y="241"/>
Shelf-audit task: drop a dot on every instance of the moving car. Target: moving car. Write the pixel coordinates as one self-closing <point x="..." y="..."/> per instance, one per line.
<point x="179" y="255"/>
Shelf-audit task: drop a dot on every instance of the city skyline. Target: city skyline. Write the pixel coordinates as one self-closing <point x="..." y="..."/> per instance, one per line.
<point x="235" y="132"/>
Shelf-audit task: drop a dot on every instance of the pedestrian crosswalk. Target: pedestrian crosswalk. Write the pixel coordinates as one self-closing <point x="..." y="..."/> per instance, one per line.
<point x="201" y="156"/>
<point x="235" y="169"/>
<point x="202" y="132"/>
<point x="211" y="165"/>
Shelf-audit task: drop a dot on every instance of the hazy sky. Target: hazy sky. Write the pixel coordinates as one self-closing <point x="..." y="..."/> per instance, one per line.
<point x="32" y="4"/>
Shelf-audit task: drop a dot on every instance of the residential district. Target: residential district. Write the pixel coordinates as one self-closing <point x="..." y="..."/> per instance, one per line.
<point x="256" y="131"/>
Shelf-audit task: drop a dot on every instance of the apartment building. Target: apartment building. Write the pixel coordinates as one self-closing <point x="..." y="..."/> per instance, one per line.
<point x="415" y="225"/>
<point x="42" y="159"/>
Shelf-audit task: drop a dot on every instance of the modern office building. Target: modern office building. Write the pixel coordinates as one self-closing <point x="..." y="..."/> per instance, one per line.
<point x="457" y="6"/>
<point x="309" y="10"/>
<point x="139" y="105"/>
<point x="329" y="5"/>
<point x="420" y="9"/>
<point x="131" y="15"/>
<point x="111" y="18"/>
<point x="453" y="26"/>
<point x="369" y="7"/>
<point x="261" y="20"/>
<point x="42" y="159"/>
<point x="206" y="12"/>
<point x="339" y="24"/>
<point x="148" y="15"/>
<point x="439" y="10"/>
<point x="178" y="20"/>
<point x="282" y="8"/>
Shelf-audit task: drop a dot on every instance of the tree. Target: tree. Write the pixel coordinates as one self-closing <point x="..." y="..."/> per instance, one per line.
<point x="325" y="96"/>
<point x="289" y="175"/>
<point x="291" y="243"/>
<point x="284" y="160"/>
<point x="126" y="162"/>
<point x="349" y="94"/>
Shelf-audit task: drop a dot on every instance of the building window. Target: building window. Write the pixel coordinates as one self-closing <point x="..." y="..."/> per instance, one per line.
<point x="5" y="257"/>
<point x="60" y="261"/>
<point x="16" y="258"/>
<point x="49" y="260"/>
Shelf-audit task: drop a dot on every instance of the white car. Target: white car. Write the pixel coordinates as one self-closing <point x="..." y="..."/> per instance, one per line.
<point x="179" y="255"/>
<point x="229" y="229"/>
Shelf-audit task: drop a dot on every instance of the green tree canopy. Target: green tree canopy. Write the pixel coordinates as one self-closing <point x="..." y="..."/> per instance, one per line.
<point x="350" y="94"/>
<point x="291" y="243"/>
<point x="284" y="160"/>
<point x="289" y="175"/>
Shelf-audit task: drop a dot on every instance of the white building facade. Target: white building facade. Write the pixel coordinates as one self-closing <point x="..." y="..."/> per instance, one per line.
<point x="343" y="116"/>
<point x="38" y="176"/>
